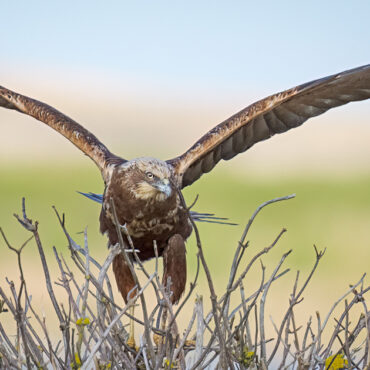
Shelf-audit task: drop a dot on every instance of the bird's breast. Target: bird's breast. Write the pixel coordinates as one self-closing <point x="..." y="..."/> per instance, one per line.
<point x="155" y="222"/>
<point x="155" y="226"/>
<point x="145" y="222"/>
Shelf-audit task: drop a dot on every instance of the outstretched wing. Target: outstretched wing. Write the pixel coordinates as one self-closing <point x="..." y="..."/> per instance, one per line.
<point x="79" y="136"/>
<point x="273" y="115"/>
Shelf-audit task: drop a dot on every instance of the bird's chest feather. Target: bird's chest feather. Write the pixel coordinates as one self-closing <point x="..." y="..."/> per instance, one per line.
<point x="154" y="221"/>
<point x="146" y="221"/>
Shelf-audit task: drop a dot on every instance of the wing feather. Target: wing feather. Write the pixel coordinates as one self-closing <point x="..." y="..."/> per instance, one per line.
<point x="74" y="132"/>
<point x="273" y="115"/>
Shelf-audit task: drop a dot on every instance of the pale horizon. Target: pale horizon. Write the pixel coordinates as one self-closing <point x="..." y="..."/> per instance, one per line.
<point x="152" y="78"/>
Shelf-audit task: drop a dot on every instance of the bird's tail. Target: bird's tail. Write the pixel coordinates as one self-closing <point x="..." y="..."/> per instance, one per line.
<point x="196" y="216"/>
<point x="210" y="218"/>
<point x="95" y="197"/>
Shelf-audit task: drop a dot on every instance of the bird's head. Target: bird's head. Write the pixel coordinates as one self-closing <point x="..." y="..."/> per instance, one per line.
<point x="150" y="179"/>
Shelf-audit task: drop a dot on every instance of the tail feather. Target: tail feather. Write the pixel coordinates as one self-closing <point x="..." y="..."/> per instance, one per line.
<point x="95" y="197"/>
<point x="210" y="218"/>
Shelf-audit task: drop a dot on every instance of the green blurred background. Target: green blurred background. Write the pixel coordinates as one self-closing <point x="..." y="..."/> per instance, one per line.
<point x="150" y="80"/>
<point x="331" y="213"/>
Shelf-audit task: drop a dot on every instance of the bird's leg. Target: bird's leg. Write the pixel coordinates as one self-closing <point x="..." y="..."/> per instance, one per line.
<point x="174" y="267"/>
<point x="126" y="286"/>
<point x="131" y="338"/>
<point x="162" y="318"/>
<point x="174" y="274"/>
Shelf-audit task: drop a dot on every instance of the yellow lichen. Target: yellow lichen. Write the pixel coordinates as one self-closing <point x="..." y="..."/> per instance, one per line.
<point x="86" y="321"/>
<point x="339" y="362"/>
<point x="246" y="357"/>
<point x="83" y="321"/>
<point x="166" y="364"/>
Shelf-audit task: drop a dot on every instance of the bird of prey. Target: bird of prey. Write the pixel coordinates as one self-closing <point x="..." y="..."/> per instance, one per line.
<point x="145" y="191"/>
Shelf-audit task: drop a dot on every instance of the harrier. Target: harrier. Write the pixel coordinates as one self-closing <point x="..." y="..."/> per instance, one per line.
<point x="146" y="191"/>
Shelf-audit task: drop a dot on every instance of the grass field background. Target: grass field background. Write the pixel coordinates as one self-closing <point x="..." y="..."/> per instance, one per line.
<point x="330" y="212"/>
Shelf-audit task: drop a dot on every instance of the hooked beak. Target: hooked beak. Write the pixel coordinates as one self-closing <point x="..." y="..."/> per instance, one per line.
<point x="164" y="187"/>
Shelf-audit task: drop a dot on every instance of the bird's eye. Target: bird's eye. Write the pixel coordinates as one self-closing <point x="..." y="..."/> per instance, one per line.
<point x="149" y="175"/>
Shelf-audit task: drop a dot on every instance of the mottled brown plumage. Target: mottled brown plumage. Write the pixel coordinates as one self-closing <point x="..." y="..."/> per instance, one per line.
<point x="145" y="190"/>
<point x="273" y="115"/>
<point x="148" y="204"/>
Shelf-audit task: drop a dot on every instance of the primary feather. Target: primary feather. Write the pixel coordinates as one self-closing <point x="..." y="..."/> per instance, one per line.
<point x="273" y="115"/>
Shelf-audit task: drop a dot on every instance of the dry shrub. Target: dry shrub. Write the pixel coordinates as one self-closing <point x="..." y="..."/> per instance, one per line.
<point x="230" y="336"/>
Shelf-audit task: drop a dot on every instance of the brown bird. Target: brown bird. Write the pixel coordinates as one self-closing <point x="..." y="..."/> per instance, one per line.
<point x="145" y="190"/>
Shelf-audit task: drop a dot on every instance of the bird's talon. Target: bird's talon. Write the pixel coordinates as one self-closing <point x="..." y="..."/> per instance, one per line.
<point x="157" y="339"/>
<point x="189" y="343"/>
<point x="131" y="343"/>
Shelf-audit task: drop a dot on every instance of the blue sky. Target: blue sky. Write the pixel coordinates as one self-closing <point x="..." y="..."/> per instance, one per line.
<point x="209" y="44"/>
<point x="123" y="68"/>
